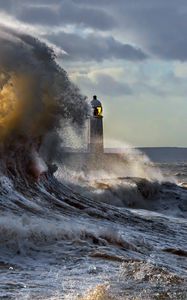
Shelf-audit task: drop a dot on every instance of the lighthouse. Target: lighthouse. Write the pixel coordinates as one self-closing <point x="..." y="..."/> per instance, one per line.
<point x="96" y="127"/>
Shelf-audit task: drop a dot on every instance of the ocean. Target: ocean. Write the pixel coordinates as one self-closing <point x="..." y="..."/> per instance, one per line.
<point x="95" y="236"/>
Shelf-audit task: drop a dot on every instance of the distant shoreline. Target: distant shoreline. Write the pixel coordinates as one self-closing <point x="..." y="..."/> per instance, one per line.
<point x="157" y="154"/>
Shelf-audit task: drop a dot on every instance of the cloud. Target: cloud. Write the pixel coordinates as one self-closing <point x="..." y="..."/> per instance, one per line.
<point x="104" y="84"/>
<point x="6" y="6"/>
<point x="90" y="17"/>
<point x="45" y="15"/>
<point x="59" y="13"/>
<point x="110" y="86"/>
<point x="161" y="26"/>
<point x="157" y="27"/>
<point x="95" y="47"/>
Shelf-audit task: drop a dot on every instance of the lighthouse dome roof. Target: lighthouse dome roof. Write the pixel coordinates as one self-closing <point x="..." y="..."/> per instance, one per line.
<point x="96" y="103"/>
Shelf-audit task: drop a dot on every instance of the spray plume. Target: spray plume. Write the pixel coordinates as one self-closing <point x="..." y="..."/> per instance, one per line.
<point x="36" y="96"/>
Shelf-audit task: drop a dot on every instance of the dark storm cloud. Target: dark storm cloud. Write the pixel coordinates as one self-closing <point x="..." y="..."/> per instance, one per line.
<point x="6" y="5"/>
<point x="95" y="18"/>
<point x="59" y="13"/>
<point x="95" y="47"/>
<point x="40" y="15"/>
<point x="159" y="26"/>
<point x="105" y="84"/>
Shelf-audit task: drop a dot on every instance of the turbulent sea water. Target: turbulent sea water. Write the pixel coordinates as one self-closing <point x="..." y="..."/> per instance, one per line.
<point x="94" y="238"/>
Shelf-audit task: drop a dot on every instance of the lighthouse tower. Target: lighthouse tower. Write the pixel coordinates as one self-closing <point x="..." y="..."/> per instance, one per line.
<point x="96" y="127"/>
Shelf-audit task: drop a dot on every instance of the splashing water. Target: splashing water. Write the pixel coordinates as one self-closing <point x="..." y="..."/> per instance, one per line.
<point x="36" y="95"/>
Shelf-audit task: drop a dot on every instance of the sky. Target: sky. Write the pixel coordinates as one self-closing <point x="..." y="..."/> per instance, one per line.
<point x="131" y="53"/>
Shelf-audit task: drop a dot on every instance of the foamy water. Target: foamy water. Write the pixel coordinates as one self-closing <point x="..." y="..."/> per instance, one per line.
<point x="102" y="239"/>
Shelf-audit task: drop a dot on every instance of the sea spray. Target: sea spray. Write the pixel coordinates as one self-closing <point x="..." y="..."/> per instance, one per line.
<point x="36" y="95"/>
